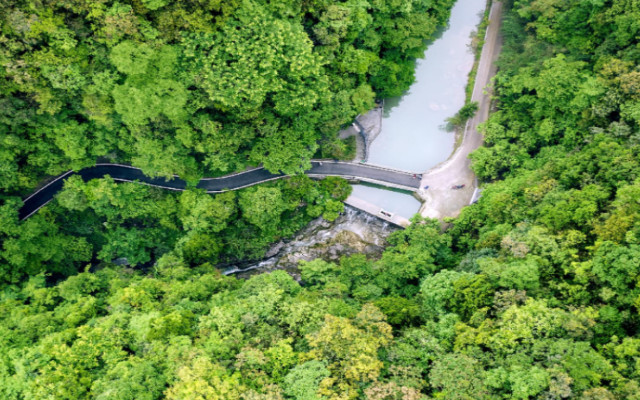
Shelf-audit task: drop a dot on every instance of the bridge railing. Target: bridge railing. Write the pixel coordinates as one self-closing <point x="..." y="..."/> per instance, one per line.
<point x="368" y="165"/>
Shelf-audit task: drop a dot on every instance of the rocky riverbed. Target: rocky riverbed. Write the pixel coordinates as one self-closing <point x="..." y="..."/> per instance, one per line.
<point x="352" y="232"/>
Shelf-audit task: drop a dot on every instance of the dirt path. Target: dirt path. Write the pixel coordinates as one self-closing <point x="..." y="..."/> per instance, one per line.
<point x="440" y="200"/>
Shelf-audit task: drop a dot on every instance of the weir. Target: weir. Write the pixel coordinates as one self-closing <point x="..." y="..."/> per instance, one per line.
<point x="374" y="210"/>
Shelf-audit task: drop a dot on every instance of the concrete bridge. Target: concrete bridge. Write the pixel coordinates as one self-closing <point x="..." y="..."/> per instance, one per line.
<point x="319" y="169"/>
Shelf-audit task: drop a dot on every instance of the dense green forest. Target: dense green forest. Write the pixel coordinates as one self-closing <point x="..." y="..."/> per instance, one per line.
<point x="533" y="292"/>
<point x="196" y="87"/>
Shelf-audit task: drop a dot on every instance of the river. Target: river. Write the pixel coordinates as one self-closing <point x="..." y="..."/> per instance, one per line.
<point x="413" y="137"/>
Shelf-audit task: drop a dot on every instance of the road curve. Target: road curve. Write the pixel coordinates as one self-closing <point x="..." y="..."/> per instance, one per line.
<point x="440" y="201"/>
<point x="319" y="169"/>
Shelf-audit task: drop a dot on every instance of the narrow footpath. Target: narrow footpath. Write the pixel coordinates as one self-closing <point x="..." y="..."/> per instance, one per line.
<point x="440" y="200"/>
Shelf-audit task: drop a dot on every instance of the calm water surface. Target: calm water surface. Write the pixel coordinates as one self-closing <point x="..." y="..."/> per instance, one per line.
<point x="395" y="202"/>
<point x="412" y="136"/>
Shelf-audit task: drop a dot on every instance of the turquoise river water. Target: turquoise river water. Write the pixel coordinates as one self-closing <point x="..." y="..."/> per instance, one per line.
<point x="413" y="137"/>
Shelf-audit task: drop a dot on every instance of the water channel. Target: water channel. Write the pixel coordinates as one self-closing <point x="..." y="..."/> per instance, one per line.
<point x="413" y="137"/>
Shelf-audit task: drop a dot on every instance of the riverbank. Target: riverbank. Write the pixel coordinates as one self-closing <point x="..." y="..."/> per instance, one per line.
<point x="440" y="200"/>
<point x="477" y="44"/>
<point x="371" y="123"/>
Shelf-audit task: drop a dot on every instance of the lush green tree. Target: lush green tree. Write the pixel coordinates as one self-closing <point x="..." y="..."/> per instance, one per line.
<point x="303" y="381"/>
<point x="262" y="206"/>
<point x="350" y="349"/>
<point x="617" y="267"/>
<point x="203" y="379"/>
<point x="130" y="379"/>
<point x="416" y="252"/>
<point x="457" y="376"/>
<point x="399" y="311"/>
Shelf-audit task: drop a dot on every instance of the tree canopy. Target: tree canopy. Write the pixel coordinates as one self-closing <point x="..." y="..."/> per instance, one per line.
<point x="112" y="291"/>
<point x="195" y="88"/>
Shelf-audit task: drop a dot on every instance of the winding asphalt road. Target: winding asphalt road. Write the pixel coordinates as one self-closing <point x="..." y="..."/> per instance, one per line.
<point x="319" y="169"/>
<point x="440" y="200"/>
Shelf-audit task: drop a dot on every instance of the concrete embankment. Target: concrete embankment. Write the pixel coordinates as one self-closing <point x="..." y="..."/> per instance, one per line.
<point x="372" y="209"/>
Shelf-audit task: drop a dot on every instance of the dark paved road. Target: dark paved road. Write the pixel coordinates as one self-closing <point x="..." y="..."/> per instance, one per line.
<point x="319" y="169"/>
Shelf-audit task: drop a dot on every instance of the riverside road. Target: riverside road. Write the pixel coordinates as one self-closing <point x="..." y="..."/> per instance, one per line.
<point x="319" y="169"/>
<point x="440" y="200"/>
